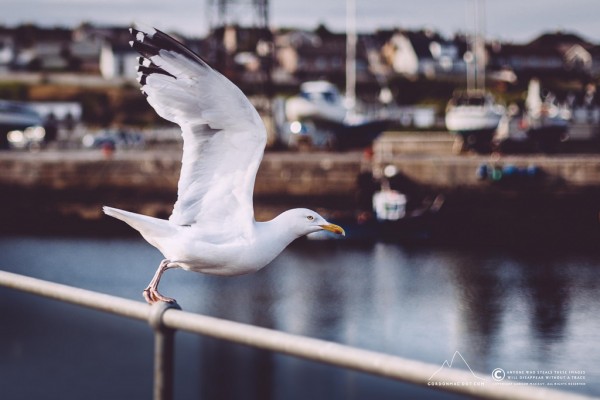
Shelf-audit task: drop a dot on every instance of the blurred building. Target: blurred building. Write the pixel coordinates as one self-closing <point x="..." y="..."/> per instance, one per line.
<point x="557" y="54"/>
<point x="425" y="53"/>
<point x="7" y="49"/>
<point x="252" y="56"/>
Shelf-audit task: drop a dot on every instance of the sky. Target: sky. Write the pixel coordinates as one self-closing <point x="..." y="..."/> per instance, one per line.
<point x="507" y="20"/>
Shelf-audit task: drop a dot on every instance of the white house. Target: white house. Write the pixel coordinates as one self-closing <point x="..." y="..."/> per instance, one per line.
<point x="423" y="53"/>
<point x="118" y="61"/>
<point x="7" y="52"/>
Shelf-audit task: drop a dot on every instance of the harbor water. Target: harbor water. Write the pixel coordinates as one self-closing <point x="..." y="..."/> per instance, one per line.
<point x="495" y="307"/>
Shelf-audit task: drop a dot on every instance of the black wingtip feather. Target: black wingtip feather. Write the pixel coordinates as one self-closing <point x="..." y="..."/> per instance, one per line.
<point x="151" y="44"/>
<point x="153" y="69"/>
<point x="146" y="48"/>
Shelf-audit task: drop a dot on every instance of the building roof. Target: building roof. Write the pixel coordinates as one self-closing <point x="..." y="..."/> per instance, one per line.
<point x="558" y="39"/>
<point x="422" y="39"/>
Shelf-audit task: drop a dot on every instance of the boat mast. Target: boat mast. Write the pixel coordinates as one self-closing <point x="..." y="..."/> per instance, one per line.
<point x="350" y="54"/>
<point x="478" y="45"/>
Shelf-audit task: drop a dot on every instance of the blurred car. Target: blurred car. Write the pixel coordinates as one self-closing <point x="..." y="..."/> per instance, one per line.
<point x="21" y="127"/>
<point x="114" y="139"/>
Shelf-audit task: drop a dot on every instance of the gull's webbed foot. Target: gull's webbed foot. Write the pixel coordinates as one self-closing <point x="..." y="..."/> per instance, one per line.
<point x="151" y="293"/>
<point x="153" y="296"/>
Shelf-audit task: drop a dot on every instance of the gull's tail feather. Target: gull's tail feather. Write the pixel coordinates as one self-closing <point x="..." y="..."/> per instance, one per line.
<point x="147" y="226"/>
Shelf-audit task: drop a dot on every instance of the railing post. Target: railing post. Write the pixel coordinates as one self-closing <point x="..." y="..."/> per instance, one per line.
<point x="164" y="345"/>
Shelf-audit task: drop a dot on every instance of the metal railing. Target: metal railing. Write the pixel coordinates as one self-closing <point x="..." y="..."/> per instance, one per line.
<point x="166" y="319"/>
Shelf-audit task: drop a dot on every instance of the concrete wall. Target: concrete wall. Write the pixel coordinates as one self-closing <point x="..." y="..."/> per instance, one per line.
<point x="280" y="174"/>
<point x="62" y="187"/>
<point x="67" y="189"/>
<point x="285" y="173"/>
<point x="435" y="167"/>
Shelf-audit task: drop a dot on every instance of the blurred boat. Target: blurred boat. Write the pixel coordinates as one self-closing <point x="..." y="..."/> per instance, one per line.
<point x="545" y="122"/>
<point x="542" y="126"/>
<point x="397" y="222"/>
<point x="392" y="219"/>
<point x="318" y="117"/>
<point x="474" y="116"/>
<point x="317" y="100"/>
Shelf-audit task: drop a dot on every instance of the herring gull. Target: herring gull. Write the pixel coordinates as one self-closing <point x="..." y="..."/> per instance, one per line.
<point x="212" y="228"/>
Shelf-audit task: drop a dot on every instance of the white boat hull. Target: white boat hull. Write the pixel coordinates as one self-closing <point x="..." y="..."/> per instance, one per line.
<point x="298" y="109"/>
<point x="467" y="120"/>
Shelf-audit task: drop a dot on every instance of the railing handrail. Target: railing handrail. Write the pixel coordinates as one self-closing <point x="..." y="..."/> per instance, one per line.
<point x="332" y="353"/>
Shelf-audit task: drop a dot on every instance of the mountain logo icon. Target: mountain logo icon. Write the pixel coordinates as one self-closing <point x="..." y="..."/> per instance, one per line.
<point x="457" y="359"/>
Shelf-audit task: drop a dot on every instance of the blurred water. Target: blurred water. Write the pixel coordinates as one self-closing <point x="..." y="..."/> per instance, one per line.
<point x="498" y="308"/>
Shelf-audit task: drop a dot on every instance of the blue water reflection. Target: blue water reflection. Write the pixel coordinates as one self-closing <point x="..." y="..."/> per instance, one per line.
<point x="498" y="308"/>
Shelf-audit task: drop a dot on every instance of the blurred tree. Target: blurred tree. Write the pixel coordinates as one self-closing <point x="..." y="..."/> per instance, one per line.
<point x="96" y="108"/>
<point x="14" y="91"/>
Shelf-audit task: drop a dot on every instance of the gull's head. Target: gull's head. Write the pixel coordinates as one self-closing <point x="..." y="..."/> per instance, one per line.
<point x="303" y="221"/>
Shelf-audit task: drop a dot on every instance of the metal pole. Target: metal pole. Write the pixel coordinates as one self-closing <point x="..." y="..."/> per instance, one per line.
<point x="82" y="297"/>
<point x="351" y="54"/>
<point x="164" y="345"/>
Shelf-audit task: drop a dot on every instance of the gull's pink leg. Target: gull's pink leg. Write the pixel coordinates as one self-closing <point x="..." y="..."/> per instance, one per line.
<point x="151" y="293"/>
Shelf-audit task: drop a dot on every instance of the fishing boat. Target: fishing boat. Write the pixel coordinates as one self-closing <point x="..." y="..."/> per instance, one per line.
<point x="392" y="219"/>
<point x="388" y="209"/>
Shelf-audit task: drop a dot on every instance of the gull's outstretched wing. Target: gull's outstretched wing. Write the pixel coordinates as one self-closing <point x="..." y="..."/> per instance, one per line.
<point x="224" y="137"/>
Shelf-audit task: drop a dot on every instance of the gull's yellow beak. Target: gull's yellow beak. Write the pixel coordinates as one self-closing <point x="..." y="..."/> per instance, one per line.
<point x="334" y="228"/>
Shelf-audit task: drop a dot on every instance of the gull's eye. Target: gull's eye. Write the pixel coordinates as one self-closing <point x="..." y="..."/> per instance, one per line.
<point x="310" y="218"/>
